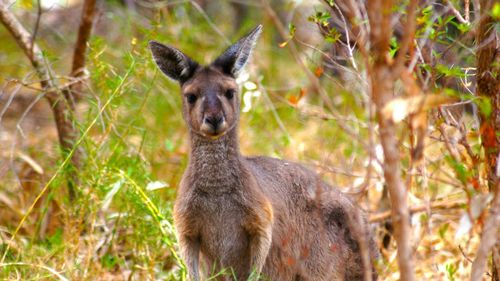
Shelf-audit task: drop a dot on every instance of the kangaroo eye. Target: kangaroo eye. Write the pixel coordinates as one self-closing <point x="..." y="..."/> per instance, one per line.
<point x="229" y="94"/>
<point x="191" y="98"/>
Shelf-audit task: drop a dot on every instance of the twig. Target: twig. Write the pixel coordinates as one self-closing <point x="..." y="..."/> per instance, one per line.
<point x="37" y="23"/>
<point x="348" y="40"/>
<point x="210" y="22"/>
<point x="409" y="34"/>
<point x="453" y="152"/>
<point x="489" y="238"/>
<point x="477" y="9"/>
<point x="273" y="111"/>
<point x="464" y="254"/>
<point x="420" y="208"/>
<point x="467" y="10"/>
<point x="457" y="13"/>
<point x="333" y="61"/>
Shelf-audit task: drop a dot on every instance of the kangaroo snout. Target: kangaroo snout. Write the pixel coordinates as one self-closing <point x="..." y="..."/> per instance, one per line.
<point x="214" y="125"/>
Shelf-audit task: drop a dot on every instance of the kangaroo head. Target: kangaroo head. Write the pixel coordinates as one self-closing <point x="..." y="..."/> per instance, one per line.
<point x="210" y="94"/>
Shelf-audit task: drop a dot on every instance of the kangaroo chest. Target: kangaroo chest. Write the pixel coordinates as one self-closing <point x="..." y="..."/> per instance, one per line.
<point x="222" y="236"/>
<point x="217" y="206"/>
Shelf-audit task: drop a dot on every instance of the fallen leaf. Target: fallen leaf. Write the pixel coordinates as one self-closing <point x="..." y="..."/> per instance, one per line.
<point x="109" y="196"/>
<point x="318" y="71"/>
<point x="399" y="108"/>
<point x="154" y="185"/>
<point x="293" y="100"/>
<point x="26" y="158"/>
<point x="283" y="44"/>
<point x="464" y="226"/>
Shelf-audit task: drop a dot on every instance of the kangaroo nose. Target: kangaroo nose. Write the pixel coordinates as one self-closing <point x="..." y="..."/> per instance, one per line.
<point x="214" y="121"/>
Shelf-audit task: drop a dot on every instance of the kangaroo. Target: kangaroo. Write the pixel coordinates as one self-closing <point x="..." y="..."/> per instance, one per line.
<point x="254" y="217"/>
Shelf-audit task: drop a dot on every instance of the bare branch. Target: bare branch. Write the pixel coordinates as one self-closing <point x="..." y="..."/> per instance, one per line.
<point x="37" y="23"/>
<point x="409" y="34"/>
<point x="420" y="208"/>
<point x="467" y="10"/>
<point x="25" y="42"/>
<point x="457" y="13"/>
<point x="489" y="238"/>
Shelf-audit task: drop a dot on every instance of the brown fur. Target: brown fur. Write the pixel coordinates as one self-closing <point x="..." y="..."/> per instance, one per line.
<point x="254" y="214"/>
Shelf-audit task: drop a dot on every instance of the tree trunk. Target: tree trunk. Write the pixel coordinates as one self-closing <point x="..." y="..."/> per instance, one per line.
<point x="382" y="79"/>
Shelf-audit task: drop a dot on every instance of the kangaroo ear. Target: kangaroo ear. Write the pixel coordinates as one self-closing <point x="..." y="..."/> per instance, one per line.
<point x="235" y="57"/>
<point x="174" y="63"/>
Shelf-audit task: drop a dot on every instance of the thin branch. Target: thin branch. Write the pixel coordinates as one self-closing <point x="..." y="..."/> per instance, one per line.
<point x="348" y="40"/>
<point x="23" y="39"/>
<point x="467" y="10"/>
<point x="210" y="22"/>
<point x="489" y="238"/>
<point x="457" y="13"/>
<point x="37" y="23"/>
<point x="409" y="35"/>
<point x="420" y="208"/>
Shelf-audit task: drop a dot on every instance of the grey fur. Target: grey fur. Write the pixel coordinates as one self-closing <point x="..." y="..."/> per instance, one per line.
<point x="236" y="56"/>
<point x="172" y="62"/>
<point x="275" y="218"/>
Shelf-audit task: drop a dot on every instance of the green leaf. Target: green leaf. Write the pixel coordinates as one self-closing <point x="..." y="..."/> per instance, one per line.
<point x="484" y="105"/>
<point x="109" y="261"/>
<point x="460" y="169"/>
<point x="333" y="35"/>
<point x="320" y="18"/>
<point x="443" y="229"/>
<point x="291" y="29"/>
<point x="56" y="239"/>
<point x="495" y="11"/>
<point x="394" y="46"/>
<point x="451" y="269"/>
<point x="450" y="71"/>
<point x="169" y="145"/>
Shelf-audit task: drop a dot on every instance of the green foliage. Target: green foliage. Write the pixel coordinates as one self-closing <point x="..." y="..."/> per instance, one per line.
<point x="495" y="11"/>
<point x="451" y="269"/>
<point x="463" y="174"/>
<point x="484" y="105"/>
<point x="443" y="230"/>
<point x="333" y="35"/>
<point x="450" y="71"/>
<point x="109" y="261"/>
<point x="320" y="18"/>
<point x="394" y="46"/>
